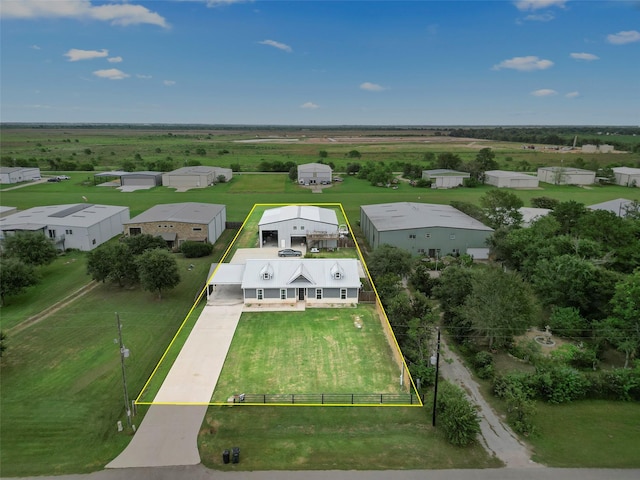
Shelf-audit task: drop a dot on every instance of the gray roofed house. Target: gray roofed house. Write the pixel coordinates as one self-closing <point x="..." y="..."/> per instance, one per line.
<point x="297" y="225"/>
<point x="423" y="228"/>
<point x="82" y="225"/>
<point x="177" y="222"/>
<point x="314" y="173"/>
<point x="199" y="176"/>
<point x="316" y="282"/>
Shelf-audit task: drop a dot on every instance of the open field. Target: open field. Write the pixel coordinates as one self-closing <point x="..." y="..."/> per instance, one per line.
<point x="315" y="351"/>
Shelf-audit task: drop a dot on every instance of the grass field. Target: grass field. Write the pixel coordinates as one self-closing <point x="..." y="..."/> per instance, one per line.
<point x="332" y="438"/>
<point x="315" y="351"/>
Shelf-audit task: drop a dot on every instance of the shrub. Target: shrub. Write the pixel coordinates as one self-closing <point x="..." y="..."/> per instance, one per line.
<point x="622" y="383"/>
<point x="567" y="322"/>
<point x="560" y="383"/>
<point x="196" y="249"/>
<point x="529" y="351"/>
<point x="458" y="417"/>
<point x="544" y="202"/>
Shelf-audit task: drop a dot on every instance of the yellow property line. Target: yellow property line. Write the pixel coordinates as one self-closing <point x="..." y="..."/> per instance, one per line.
<point x="204" y="289"/>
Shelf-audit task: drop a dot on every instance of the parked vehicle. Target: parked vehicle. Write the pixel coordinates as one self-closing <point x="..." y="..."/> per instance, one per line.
<point x="289" y="252"/>
<point x="63" y="177"/>
<point x="315" y="250"/>
<point x="53" y="179"/>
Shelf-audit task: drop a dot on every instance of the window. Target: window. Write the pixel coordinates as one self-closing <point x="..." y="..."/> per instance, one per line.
<point x="68" y="232"/>
<point x="337" y="276"/>
<point x="283" y="294"/>
<point x="295" y="227"/>
<point x="427" y="235"/>
<point x="197" y="229"/>
<point x="343" y="294"/>
<point x="452" y="236"/>
<point x="260" y="294"/>
<point x="318" y="294"/>
<point x="266" y="276"/>
<point x="135" y="231"/>
<point x="93" y="242"/>
<point x="421" y="250"/>
<point x="302" y="227"/>
<point x="412" y="236"/>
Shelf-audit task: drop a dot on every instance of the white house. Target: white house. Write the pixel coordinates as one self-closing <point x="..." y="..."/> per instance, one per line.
<point x="566" y="176"/>
<point x="627" y="177"/>
<point x="82" y="225"/>
<point x="316" y="282"/>
<point x="314" y="173"/>
<point x="506" y="179"/>
<point x="19" y="174"/>
<point x="444" y="178"/>
<point x="297" y="225"/>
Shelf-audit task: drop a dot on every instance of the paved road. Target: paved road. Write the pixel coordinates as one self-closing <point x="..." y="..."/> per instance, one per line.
<point x="198" y="472"/>
<point x="497" y="436"/>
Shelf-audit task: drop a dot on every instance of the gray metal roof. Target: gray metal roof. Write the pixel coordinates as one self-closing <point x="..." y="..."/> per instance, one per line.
<point x="508" y="174"/>
<point x="444" y="172"/>
<point x="310" y="272"/>
<point x="314" y="167"/>
<point x="408" y="215"/>
<point x="196" y="170"/>
<point x="189" y="212"/>
<point x="567" y="170"/>
<point x="71" y="215"/>
<point x="616" y="206"/>
<point x="627" y="170"/>
<point x="142" y="174"/>
<point x="112" y="173"/>
<point x="307" y="212"/>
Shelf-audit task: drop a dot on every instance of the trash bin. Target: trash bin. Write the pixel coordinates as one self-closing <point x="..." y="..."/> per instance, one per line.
<point x="225" y="456"/>
<point x="235" y="456"/>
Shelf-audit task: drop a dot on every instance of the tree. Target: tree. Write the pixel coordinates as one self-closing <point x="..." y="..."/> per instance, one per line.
<point x="622" y="329"/>
<point x="112" y="262"/>
<point x="501" y="208"/>
<point x="140" y="243"/>
<point x="293" y="174"/>
<point x="353" y="168"/>
<point x="501" y="305"/>
<point x="354" y="154"/>
<point x="485" y="160"/>
<point x="568" y="214"/>
<point x="15" y="276"/>
<point x="158" y="271"/>
<point x="323" y="154"/>
<point x="452" y="290"/>
<point x="458" y="417"/>
<point x="30" y="247"/>
<point x="448" y="160"/>
<point x="389" y="259"/>
<point x="3" y="347"/>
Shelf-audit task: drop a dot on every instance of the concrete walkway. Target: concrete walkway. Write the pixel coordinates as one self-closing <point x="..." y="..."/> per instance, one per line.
<point x="168" y="434"/>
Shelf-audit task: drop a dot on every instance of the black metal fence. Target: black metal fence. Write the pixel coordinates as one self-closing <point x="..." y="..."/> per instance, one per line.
<point x="328" y="398"/>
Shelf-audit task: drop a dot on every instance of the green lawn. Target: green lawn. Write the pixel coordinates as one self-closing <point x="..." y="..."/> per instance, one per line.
<point x="61" y="380"/>
<point x="315" y="351"/>
<point x="587" y="434"/>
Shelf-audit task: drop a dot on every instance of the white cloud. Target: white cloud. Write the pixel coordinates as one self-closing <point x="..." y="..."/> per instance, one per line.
<point x="281" y="46"/>
<point x="584" y="56"/>
<point x="117" y="14"/>
<point x="527" y="5"/>
<point x="309" y="105"/>
<point x="168" y="83"/>
<point x="524" y="64"/>
<point x="36" y="47"/>
<point x="621" y="38"/>
<point x="224" y="3"/>
<point x="76" y="54"/>
<point x="572" y="95"/>
<point x="111" y="74"/>
<point x="540" y="17"/>
<point x="143" y="77"/>
<point x="544" y="92"/>
<point x="114" y="59"/>
<point x="371" y="87"/>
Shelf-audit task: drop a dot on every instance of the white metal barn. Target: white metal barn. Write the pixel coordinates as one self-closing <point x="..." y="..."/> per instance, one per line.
<point x="18" y="174"/>
<point x="314" y="173"/>
<point x="506" y="179"/>
<point x="444" y="178"/>
<point x="195" y="177"/>
<point x="82" y="225"/>
<point x="627" y="177"/>
<point x="298" y="225"/>
<point x="566" y="176"/>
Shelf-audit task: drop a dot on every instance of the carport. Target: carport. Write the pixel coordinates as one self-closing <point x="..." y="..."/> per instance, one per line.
<point x="225" y="278"/>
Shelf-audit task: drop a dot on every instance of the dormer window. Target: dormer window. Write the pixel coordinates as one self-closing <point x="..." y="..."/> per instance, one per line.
<point x="267" y="272"/>
<point x="337" y="272"/>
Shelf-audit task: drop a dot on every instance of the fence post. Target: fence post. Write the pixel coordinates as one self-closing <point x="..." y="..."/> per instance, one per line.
<point x="323" y="399"/>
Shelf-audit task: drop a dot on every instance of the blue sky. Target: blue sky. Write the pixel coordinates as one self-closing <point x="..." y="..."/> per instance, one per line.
<point x="529" y="62"/>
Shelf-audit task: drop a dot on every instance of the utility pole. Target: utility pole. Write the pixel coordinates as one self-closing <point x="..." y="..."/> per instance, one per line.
<point x="124" y="353"/>
<point x="435" y="360"/>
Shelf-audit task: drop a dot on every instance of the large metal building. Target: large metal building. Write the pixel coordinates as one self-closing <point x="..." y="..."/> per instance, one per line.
<point x="507" y="179"/>
<point x="566" y="176"/>
<point x="444" y="178"/>
<point x="19" y="174"/>
<point x="314" y="173"/>
<point x="627" y="176"/>
<point x="299" y="225"/>
<point x="423" y="228"/>
<point x="195" y="177"/>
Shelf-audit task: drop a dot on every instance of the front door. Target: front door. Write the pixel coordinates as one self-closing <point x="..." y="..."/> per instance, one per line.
<point x="301" y="294"/>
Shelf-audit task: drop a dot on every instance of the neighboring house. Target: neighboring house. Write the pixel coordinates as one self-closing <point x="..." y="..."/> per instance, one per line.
<point x="618" y="206"/>
<point x="297" y="225"/>
<point x="82" y="225"/>
<point x="530" y="214"/>
<point x="627" y="177"/>
<point x="424" y="229"/>
<point x="507" y="179"/>
<point x="141" y="179"/>
<point x="177" y="222"/>
<point x="195" y="177"/>
<point x="314" y="173"/>
<point x="566" y="176"/>
<point x="444" y="178"/>
<point x="316" y="282"/>
<point x="19" y="174"/>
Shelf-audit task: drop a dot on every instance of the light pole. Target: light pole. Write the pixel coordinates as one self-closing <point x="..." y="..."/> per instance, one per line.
<point x="124" y="353"/>
<point x="435" y="360"/>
